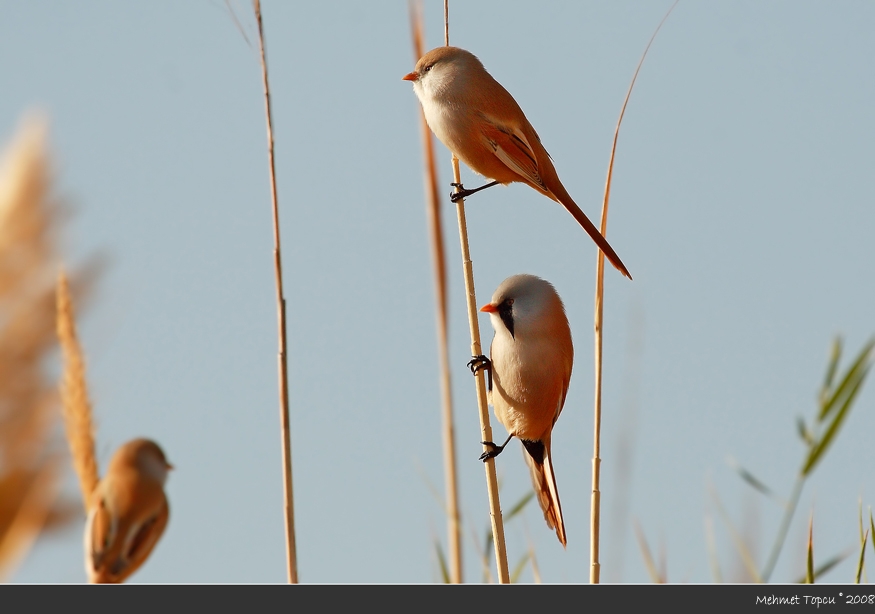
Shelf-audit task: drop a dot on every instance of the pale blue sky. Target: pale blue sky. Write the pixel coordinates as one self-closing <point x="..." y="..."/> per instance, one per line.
<point x="742" y="206"/>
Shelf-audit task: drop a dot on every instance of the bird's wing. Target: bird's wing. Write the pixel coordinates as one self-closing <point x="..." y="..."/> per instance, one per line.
<point x="99" y="534"/>
<point x="561" y="403"/>
<point x="512" y="147"/>
<point x="147" y="534"/>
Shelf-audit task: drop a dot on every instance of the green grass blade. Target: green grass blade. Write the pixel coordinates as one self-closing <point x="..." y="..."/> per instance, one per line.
<point x="862" y="557"/>
<point x="755" y="482"/>
<point x="818" y="451"/>
<point x="818" y="572"/>
<point x="850" y="378"/>
<point x="835" y="354"/>
<point x="872" y="528"/>
<point x="809" y="565"/>
<point x="442" y="561"/>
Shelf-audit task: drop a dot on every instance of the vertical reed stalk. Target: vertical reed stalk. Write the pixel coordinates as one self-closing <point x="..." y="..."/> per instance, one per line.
<point x="595" y="503"/>
<point x="485" y="428"/>
<point x="436" y="236"/>
<point x="288" y="498"/>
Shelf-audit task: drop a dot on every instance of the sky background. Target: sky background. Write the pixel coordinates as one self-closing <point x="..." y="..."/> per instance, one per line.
<point x="742" y="206"/>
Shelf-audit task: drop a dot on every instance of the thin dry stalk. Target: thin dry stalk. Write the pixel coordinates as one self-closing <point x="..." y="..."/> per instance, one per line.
<point x="485" y="428"/>
<point x="655" y="574"/>
<point x="29" y="459"/>
<point x="74" y="394"/>
<point x="474" y="326"/>
<point x="713" y="559"/>
<point x="436" y="236"/>
<point x="288" y="498"/>
<point x="595" y="503"/>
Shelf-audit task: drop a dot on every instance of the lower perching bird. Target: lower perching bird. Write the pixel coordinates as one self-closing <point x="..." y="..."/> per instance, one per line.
<point x="127" y="512"/>
<point x="529" y="372"/>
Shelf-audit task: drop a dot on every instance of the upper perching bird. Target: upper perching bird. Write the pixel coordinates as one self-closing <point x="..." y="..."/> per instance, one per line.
<point x="478" y="120"/>
<point x="127" y="512"/>
<point x="529" y="371"/>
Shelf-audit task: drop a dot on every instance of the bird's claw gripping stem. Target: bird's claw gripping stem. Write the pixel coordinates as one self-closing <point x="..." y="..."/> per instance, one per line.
<point x="492" y="452"/>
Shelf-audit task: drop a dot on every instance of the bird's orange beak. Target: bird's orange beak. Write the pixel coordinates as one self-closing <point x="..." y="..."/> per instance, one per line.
<point x="411" y="76"/>
<point x="170" y="467"/>
<point x="489" y="308"/>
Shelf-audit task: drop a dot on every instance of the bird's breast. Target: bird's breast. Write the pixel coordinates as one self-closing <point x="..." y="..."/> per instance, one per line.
<point x="529" y="382"/>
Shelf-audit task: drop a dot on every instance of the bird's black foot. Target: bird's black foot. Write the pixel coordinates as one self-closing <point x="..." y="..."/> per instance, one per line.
<point x="459" y="193"/>
<point x="492" y="452"/>
<point x="456" y="196"/>
<point x="478" y="363"/>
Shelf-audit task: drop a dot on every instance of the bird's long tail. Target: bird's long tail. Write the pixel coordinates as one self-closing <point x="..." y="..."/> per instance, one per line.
<point x="566" y="201"/>
<point x="537" y="455"/>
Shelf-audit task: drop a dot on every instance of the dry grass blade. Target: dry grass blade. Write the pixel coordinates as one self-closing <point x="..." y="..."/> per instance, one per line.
<point x="536" y="571"/>
<point x="595" y="504"/>
<point x="74" y="394"/>
<point x="436" y="237"/>
<point x="29" y="454"/>
<point x="712" y="549"/>
<point x="738" y="541"/>
<point x="282" y="356"/>
<point x="648" y="557"/>
<point x="483" y="556"/>
<point x="518" y="569"/>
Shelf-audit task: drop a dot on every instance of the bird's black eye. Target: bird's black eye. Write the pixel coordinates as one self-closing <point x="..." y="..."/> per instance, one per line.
<point x="509" y="302"/>
<point x="427" y="68"/>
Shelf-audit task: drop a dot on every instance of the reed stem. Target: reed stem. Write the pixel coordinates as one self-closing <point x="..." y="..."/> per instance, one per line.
<point x="474" y="326"/>
<point x="288" y="498"/>
<point x="436" y="236"/>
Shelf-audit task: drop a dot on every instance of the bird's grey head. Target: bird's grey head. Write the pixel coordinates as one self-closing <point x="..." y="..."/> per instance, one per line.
<point x="522" y="301"/>
<point x="150" y="459"/>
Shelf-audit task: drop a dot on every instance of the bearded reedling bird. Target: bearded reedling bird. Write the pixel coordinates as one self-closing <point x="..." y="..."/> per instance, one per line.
<point x="478" y="120"/>
<point x="127" y="512"/>
<point x="529" y="371"/>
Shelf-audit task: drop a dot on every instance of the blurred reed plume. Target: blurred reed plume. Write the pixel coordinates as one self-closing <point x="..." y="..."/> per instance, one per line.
<point x="30" y="454"/>
<point x="74" y="394"/>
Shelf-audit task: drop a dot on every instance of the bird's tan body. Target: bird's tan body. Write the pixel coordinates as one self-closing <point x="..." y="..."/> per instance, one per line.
<point x="128" y="512"/>
<point x="478" y="120"/>
<point x="531" y="370"/>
